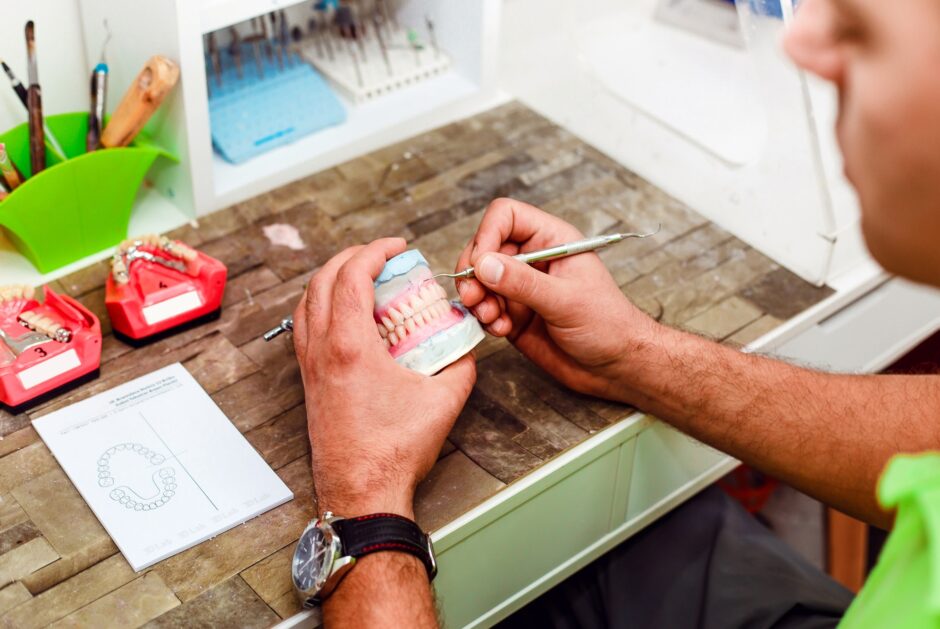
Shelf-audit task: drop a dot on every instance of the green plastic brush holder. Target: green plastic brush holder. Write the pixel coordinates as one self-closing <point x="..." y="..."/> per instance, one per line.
<point x="76" y="207"/>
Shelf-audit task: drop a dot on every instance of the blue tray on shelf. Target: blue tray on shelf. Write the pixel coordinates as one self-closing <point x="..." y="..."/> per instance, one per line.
<point x="259" y="111"/>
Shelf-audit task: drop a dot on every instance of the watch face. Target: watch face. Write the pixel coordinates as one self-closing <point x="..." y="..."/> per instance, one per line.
<point x="312" y="559"/>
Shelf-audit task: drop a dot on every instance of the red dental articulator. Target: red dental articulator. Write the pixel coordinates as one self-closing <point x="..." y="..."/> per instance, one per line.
<point x="157" y="284"/>
<point x="44" y="346"/>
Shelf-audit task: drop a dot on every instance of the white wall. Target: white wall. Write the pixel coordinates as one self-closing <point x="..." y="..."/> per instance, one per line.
<point x="64" y="73"/>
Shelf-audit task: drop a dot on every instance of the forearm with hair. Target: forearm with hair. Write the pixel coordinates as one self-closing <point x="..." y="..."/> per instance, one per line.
<point x="384" y="589"/>
<point x="828" y="435"/>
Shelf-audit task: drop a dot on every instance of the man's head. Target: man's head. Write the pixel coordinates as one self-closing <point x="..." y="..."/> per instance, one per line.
<point x="884" y="58"/>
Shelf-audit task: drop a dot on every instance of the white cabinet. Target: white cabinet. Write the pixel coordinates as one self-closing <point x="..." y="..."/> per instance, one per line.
<point x="204" y="182"/>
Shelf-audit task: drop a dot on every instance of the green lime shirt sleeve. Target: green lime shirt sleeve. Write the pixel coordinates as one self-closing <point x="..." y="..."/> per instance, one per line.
<point x="904" y="588"/>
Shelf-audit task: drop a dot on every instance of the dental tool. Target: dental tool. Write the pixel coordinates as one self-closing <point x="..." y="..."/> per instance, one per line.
<point x="286" y="325"/>
<point x="99" y="97"/>
<point x="561" y="251"/>
<point x="22" y="95"/>
<point x="543" y="255"/>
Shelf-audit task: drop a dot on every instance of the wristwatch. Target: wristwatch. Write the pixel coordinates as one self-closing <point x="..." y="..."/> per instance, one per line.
<point x="330" y="545"/>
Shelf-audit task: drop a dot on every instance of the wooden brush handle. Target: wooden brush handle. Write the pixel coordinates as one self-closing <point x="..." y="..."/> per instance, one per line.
<point x="37" y="140"/>
<point x="142" y="98"/>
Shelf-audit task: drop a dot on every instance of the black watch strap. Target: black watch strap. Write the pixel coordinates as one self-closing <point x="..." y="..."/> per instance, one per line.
<point x="385" y="531"/>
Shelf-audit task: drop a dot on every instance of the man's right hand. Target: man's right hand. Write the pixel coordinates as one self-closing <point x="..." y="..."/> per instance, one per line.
<point x="568" y="316"/>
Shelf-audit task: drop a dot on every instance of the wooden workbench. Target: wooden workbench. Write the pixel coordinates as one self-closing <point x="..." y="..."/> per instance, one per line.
<point x="57" y="564"/>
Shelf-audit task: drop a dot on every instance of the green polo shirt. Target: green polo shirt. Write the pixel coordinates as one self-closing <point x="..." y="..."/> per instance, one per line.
<point x="903" y="591"/>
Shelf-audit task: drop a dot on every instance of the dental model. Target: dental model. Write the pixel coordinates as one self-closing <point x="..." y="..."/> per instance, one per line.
<point x="421" y="329"/>
<point x="157" y="285"/>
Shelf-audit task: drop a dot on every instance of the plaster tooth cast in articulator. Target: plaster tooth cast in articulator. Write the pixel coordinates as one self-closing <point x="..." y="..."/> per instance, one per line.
<point x="421" y="329"/>
<point x="157" y="284"/>
<point x="45" y="325"/>
<point x="43" y="345"/>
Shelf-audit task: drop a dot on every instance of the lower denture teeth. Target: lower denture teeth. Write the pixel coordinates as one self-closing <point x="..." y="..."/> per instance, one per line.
<point x="388" y="324"/>
<point x="410" y="325"/>
<point x="400" y="331"/>
<point x="393" y="338"/>
<point x="382" y="331"/>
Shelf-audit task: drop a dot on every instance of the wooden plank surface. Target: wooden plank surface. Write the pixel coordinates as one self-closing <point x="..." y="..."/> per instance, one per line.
<point x="56" y="563"/>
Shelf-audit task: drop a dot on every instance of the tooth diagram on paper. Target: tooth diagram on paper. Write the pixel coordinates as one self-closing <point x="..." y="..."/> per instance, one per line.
<point x="131" y="492"/>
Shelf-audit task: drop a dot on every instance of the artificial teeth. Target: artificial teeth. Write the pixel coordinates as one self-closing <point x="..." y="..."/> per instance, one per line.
<point x="393" y="338"/>
<point x="400" y="331"/>
<point x="396" y="316"/>
<point x="406" y="311"/>
<point x="388" y="324"/>
<point x="410" y="325"/>
<point x="416" y="303"/>
<point x="382" y="331"/>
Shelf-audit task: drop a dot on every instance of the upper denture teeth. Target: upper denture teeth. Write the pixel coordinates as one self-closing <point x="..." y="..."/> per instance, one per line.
<point x="440" y="291"/>
<point x="427" y="294"/>
<point x="383" y="332"/>
<point x="406" y="311"/>
<point x="400" y="331"/>
<point x="388" y="324"/>
<point x="410" y="325"/>
<point x="395" y="316"/>
<point x="393" y="338"/>
<point x="416" y="303"/>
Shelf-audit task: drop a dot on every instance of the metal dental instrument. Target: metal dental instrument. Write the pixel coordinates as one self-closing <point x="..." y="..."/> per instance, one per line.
<point x="562" y="251"/>
<point x="286" y="325"/>
<point x="552" y="253"/>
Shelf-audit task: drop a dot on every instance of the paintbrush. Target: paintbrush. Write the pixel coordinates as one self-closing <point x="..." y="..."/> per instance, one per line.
<point x="37" y="140"/>
<point x="21" y="94"/>
<point x="11" y="174"/>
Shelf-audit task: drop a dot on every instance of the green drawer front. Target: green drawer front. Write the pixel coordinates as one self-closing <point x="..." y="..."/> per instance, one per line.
<point x="543" y="531"/>
<point x="666" y="461"/>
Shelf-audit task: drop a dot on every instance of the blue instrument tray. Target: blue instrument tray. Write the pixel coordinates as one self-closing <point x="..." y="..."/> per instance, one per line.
<point x="259" y="111"/>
